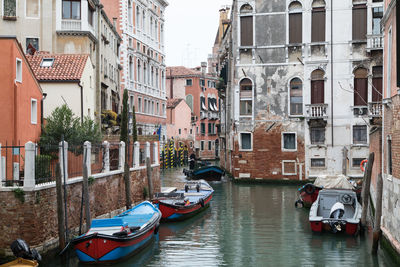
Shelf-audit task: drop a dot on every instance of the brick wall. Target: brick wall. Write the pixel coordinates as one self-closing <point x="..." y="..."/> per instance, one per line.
<point x="265" y="161"/>
<point x="35" y="220"/>
<point x="375" y="145"/>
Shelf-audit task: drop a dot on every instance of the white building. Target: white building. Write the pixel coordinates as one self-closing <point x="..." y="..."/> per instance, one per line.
<point x="301" y="89"/>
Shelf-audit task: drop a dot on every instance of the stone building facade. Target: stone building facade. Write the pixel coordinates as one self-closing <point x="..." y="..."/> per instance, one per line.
<point x="300" y="86"/>
<point x="198" y="88"/>
<point x="142" y="56"/>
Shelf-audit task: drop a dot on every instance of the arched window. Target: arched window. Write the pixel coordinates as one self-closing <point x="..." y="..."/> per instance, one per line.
<point x="144" y="73"/>
<point x="296" y="97"/>
<point x="246" y="25"/>
<point x="317" y="87"/>
<point x="144" y="21"/>
<point x="152" y="76"/>
<point x="189" y="101"/>
<point x="151" y="26"/>
<point x="318" y="21"/>
<point x="137" y="18"/>
<point x="295" y="23"/>
<point x="130" y="21"/>
<point x="157" y="79"/>
<point x="139" y="71"/>
<point x="246" y="97"/>
<point x="361" y="87"/>
<point x="131" y="69"/>
<point x="203" y="102"/>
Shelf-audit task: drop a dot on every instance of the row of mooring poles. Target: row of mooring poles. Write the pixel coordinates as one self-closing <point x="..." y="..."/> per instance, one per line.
<point x="172" y="157"/>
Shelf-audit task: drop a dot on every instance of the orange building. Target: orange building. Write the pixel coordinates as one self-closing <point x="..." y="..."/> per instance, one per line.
<point x="20" y="96"/>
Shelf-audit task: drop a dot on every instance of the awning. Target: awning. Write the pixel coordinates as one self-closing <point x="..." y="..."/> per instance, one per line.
<point x="203" y="106"/>
<point x="211" y="107"/>
<point x="215" y="107"/>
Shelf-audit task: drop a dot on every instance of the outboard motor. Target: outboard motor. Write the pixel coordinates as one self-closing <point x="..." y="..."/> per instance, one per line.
<point x="21" y="250"/>
<point x="337" y="212"/>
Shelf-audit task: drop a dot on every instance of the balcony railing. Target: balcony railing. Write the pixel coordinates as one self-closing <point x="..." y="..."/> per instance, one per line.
<point x="316" y="111"/>
<point x="71" y="25"/>
<point x="375" y="109"/>
<point x="374" y="41"/>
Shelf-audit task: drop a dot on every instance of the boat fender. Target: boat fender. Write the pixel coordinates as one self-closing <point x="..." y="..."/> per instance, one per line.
<point x="35" y="255"/>
<point x="134" y="228"/>
<point x="363" y="164"/>
<point x="309" y="189"/>
<point x="201" y="202"/>
<point x="156" y="229"/>
<point x="186" y="188"/>
<point x="198" y="188"/>
<point x="299" y="203"/>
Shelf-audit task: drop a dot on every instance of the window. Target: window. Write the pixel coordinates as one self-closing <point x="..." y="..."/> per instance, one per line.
<point x="289" y="142"/>
<point x="90" y="18"/>
<point x="163" y="109"/>
<point x="139" y="104"/>
<point x="318" y="21"/>
<point x="377" y="14"/>
<point x="289" y="167"/>
<point x="317" y="87"/>
<point x="246" y="97"/>
<point x="359" y="22"/>
<point x="209" y="128"/>
<point x="295" y="23"/>
<point x="158" y="109"/>
<point x="203" y="128"/>
<point x="317" y="135"/>
<point x="209" y="145"/>
<point x="32" y="8"/>
<point x="131" y="69"/>
<point x="246" y="25"/>
<point x="359" y="134"/>
<point x="389" y="156"/>
<point x="245" y="141"/>
<point x="296" y="97"/>
<point x="189" y="82"/>
<point x="33" y="111"/>
<point x="18" y="75"/>
<point x="47" y="62"/>
<point x="202" y="82"/>
<point x="318" y="163"/>
<point x="179" y="131"/>
<point x="360" y="87"/>
<point x="32" y="45"/>
<point x="203" y="102"/>
<point x="71" y="9"/>
<point x="377" y="83"/>
<point x="202" y="145"/>
<point x="10" y="8"/>
<point x="356" y="162"/>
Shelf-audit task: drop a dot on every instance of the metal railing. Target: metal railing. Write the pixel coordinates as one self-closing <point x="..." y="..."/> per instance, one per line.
<point x="12" y="165"/>
<point x="316" y="111"/>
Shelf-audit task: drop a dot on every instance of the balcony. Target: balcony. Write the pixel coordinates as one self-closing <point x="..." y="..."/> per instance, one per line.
<point x="71" y="25"/>
<point x="375" y="109"/>
<point x="374" y="42"/>
<point x="316" y="111"/>
<point x="203" y="115"/>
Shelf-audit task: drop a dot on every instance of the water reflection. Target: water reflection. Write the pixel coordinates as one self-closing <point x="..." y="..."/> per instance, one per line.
<point x="251" y="225"/>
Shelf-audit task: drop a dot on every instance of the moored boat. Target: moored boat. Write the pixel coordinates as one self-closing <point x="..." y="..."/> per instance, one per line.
<point x="336" y="210"/>
<point x="182" y="204"/>
<point x="114" y="239"/>
<point x="208" y="173"/>
<point x="20" y="262"/>
<point x="308" y="193"/>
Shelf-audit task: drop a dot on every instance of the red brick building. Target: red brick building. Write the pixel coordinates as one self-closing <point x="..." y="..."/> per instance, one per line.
<point x="198" y="89"/>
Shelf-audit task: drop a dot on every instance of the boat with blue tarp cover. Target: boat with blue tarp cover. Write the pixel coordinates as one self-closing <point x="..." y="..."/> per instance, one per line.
<point x="182" y="204"/>
<point x="114" y="239"/>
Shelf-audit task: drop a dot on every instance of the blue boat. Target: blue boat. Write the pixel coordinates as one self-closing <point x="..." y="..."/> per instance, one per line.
<point x="208" y="173"/>
<point x="114" y="239"/>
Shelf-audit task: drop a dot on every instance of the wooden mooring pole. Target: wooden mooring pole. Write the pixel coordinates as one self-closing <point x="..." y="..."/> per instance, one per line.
<point x="378" y="214"/>
<point x="85" y="188"/>
<point x="366" y="189"/>
<point x="60" y="208"/>
<point x="150" y="184"/>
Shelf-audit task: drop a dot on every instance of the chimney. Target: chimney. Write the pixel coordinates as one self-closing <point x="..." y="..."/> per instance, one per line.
<point x="203" y="67"/>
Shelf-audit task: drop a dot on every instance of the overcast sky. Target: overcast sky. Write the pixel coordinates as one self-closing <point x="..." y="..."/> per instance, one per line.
<point x="191" y="27"/>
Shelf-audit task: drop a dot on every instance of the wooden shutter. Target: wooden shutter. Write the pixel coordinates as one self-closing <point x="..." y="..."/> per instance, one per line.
<point x="246" y="31"/>
<point x="295" y="28"/>
<point x="318" y="25"/>
<point x="317" y="92"/>
<point x="377" y="83"/>
<point x="359" y="22"/>
<point x="360" y="92"/>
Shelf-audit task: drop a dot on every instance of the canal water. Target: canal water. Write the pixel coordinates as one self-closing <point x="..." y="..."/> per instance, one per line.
<point x="249" y="225"/>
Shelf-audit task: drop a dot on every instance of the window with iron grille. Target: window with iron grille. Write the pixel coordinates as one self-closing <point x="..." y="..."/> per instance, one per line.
<point x="317" y="135"/>
<point x="289" y="141"/>
<point x="296" y="97"/>
<point x="245" y="141"/>
<point x="318" y="162"/>
<point x="360" y="134"/>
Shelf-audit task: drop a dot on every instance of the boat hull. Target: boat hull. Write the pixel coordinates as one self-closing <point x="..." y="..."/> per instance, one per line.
<point x="179" y="213"/>
<point x="101" y="249"/>
<point x="348" y="228"/>
<point x="208" y="173"/>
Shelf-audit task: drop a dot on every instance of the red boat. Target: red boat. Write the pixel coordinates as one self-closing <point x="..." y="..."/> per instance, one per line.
<point x="182" y="204"/>
<point x="336" y="211"/>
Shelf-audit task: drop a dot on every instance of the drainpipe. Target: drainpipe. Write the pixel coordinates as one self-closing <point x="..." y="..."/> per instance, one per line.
<point x="80" y="85"/>
<point x="332" y="72"/>
<point x="41" y="108"/>
<point x="171" y="83"/>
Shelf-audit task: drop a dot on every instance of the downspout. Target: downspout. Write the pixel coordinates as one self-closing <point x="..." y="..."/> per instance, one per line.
<point x="332" y="73"/>
<point x="171" y="83"/>
<point x="97" y="90"/>
<point x="80" y="85"/>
